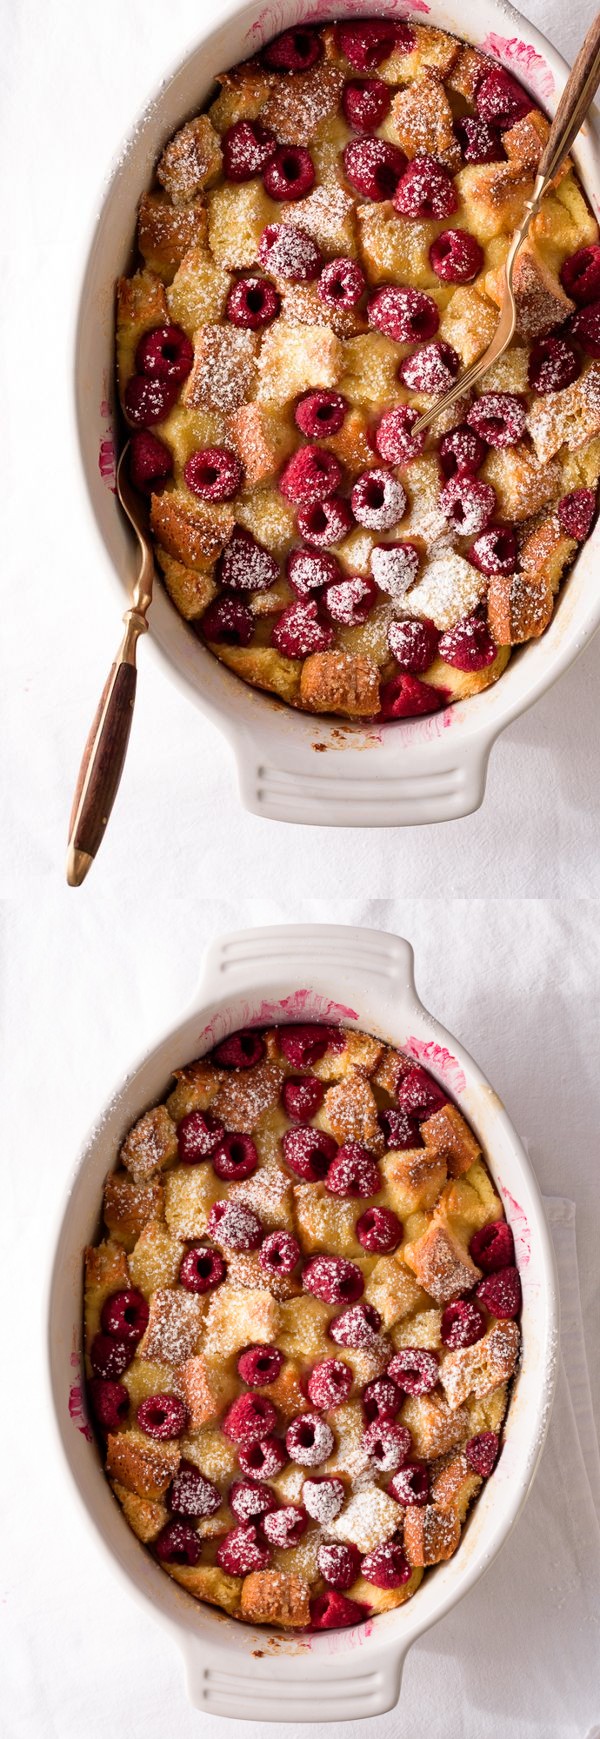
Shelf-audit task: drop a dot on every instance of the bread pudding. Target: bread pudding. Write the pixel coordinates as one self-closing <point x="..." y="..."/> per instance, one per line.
<point x="301" y="1326"/>
<point x="320" y="257"/>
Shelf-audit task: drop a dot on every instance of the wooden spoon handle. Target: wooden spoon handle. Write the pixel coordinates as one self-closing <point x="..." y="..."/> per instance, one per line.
<point x="578" y="93"/>
<point x="102" y="766"/>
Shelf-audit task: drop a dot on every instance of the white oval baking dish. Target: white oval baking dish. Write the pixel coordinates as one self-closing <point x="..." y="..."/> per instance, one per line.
<point x="421" y="770"/>
<point x="362" y="978"/>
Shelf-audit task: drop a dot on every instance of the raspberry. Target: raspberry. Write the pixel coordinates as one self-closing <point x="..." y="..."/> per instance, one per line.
<point x="353" y="1172"/>
<point x="501" y="1293"/>
<point x="381" y="1400"/>
<point x="461" y="450"/>
<point x="235" y="1226"/>
<point x="162" y="1416"/>
<point x="307" y="571"/>
<point x="329" y="1384"/>
<point x="401" y="1131"/>
<point x="235" y="1157"/>
<point x="358" y="1327"/>
<point x="289" y="252"/>
<point x="265" y="1458"/>
<point x="285" y="1527"/>
<point x="310" y="475"/>
<point x="342" y="283"/>
<point x="302" y="1098"/>
<point x="333" y="1279"/>
<point x="394" y="567"/>
<point x="407" y="316"/>
<point x="334" y="1611"/>
<point x="413" y="644"/>
<point x="197" y="1136"/>
<point x="585" y="327"/>
<point x="228" y="622"/>
<point x="125" y="1315"/>
<point x="252" y="303"/>
<point x="411" y="1485"/>
<point x="455" y="256"/>
<point x="415" y="1370"/>
<point x="499" y="417"/>
<point x="479" y="142"/>
<point x="320" y="413"/>
<point x="304" y="1045"/>
<point x="323" y="1499"/>
<point x="430" y="370"/>
<point x="166" y="353"/>
<point x="251" y="1501"/>
<point x="495" y="551"/>
<point x="150" y="462"/>
<point x="299" y="631"/>
<point x="467" y="503"/>
<point x="553" y="364"/>
<point x="308" y="1152"/>
<point x="378" y="500"/>
<point x="249" y="1418"/>
<point x="462" y="1324"/>
<point x="482" y="1453"/>
<point x="259" y="1365"/>
<point x="294" y="51"/>
<point x="576" y="512"/>
<point x="366" y="44"/>
<point x="245" y="566"/>
<point x="214" y="473"/>
<point x="201" y="1269"/>
<point x="386" y="1566"/>
<point x="247" y="147"/>
<point x="339" y="1565"/>
<point x="393" y="437"/>
<point x="419" y="1094"/>
<point x="193" y="1495"/>
<point x="351" y="601"/>
<point x="325" y="523"/>
<point x="468" y="646"/>
<point x="240" y="1551"/>
<point x="373" y="167"/>
<point x="379" y="1231"/>
<point x="109" y="1358"/>
<point x="365" y="103"/>
<point x="501" y="100"/>
<point x="290" y="173"/>
<point x="580" y="274"/>
<point x="147" y="399"/>
<point x="426" y="190"/>
<point x="492" y="1247"/>
<point x="387" y="1444"/>
<point x="279" y="1253"/>
<point x="309" y="1440"/>
<point x="405" y="697"/>
<point x="178" y="1543"/>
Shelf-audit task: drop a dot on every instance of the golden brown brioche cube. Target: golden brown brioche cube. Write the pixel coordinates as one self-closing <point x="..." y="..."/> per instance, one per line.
<point x="244" y="1269"/>
<point x="144" y="1517"/>
<point x="207" y="1582"/>
<point x="155" y="1259"/>
<point x="352" y="444"/>
<point x="546" y="552"/>
<point x="447" y="589"/>
<point x="340" y="682"/>
<point x="571" y="416"/>
<point x="325" y="1222"/>
<point x="263" y="667"/>
<point x="106" y="1271"/>
<point x="433" y="48"/>
<point x="237" y="1317"/>
<point x="269" y="517"/>
<point x="141" y="305"/>
<point x="194" y="537"/>
<point x="384" y="1599"/>
<point x="395" y="248"/>
<point x="442" y="1265"/>
<point x="302" y="305"/>
<point x="150" y="1145"/>
<point x="459" y="683"/>
<point x="189" y="1195"/>
<point x="237" y="216"/>
<point x="174" y="1325"/>
<point x="128" y="1206"/>
<point x="244" y="90"/>
<point x="294" y="358"/>
<point x="224" y="368"/>
<point x="192" y="592"/>
<point x="272" y="601"/>
<point x="414" y="1178"/>
<point x="350" y="1113"/>
<point x="143" y="1378"/>
<point x="303" y="1327"/>
<point x="263" y="440"/>
<point x="211" y="1452"/>
<point x="166" y="232"/>
<point x="241" y="1101"/>
<point x="206" y="1390"/>
<point x="434" y="1426"/>
<point x="297" y="106"/>
<point x="525" y="140"/>
<point x="540" y="299"/>
<point x="456" y="1485"/>
<point x="449" y="1136"/>
<point x="142" y="1466"/>
<point x="421" y="1330"/>
<point x="392" y="1290"/>
<point x="196" y="1088"/>
<point x="274" y="1597"/>
<point x="359" y="1052"/>
<point x="522" y="482"/>
<point x="466" y="73"/>
<point x="471" y="1200"/>
<point x="390" y="1069"/>
<point x="469" y="322"/>
<point x="199" y="289"/>
<point x="421" y="121"/>
<point x="328" y="215"/>
<point x="431" y="1534"/>
<point x="509" y="373"/>
<point x="369" y="1518"/>
<point x="494" y="196"/>
<point x="487" y="1413"/>
<point x="518" y="608"/>
<point x="191" y="161"/>
<point x="370" y="370"/>
<point x="477" y="1369"/>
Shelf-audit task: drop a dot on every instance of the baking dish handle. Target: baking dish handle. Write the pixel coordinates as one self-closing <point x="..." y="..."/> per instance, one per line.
<point x="294" y="1687"/>
<point x="324" y="955"/>
<point x="351" y="788"/>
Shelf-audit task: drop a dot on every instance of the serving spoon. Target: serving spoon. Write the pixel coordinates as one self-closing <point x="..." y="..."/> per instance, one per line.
<point x="579" y="91"/>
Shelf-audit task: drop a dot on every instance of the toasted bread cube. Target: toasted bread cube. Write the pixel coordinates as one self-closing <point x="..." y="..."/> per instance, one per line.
<point x="467" y="72"/>
<point x="207" y="1582"/>
<point x="263" y="667"/>
<point x="456" y="1485"/>
<point x="522" y="481"/>
<point x="384" y="1599"/>
<point x="328" y="215"/>
<point x="366" y="1363"/>
<point x="244" y="1269"/>
<point x="156" y="1258"/>
<point x="106" y="1271"/>
<point x="350" y="1113"/>
<point x="150" y="1145"/>
<point x="349" y="1457"/>
<point x="392" y="1290"/>
<point x="421" y="121"/>
<point x="367" y="1520"/>
<point x="144" y="1517"/>
<point x="477" y="1369"/>
<point x="359" y="1052"/>
<point x="414" y="1178"/>
<point x="518" y="608"/>
<point x="352" y="445"/>
<point x="263" y="440"/>
<point x="431" y="1534"/>
<point x="142" y="1466"/>
<point x="189" y="1195"/>
<point x="128" y="1206"/>
<point x="460" y="683"/>
<point x="478" y="1181"/>
<point x="370" y="371"/>
<point x="469" y="322"/>
<point x="509" y="373"/>
<point x="243" y="1100"/>
<point x="224" y="368"/>
<point x="166" y="232"/>
<point x="433" y="48"/>
<point x="238" y="1317"/>
<point x="268" y="1192"/>
<point x="141" y="305"/>
<point x="296" y="107"/>
<point x="390" y="1070"/>
<point x="191" y="592"/>
<point x="462" y="1206"/>
<point x="294" y="358"/>
<point x="546" y="552"/>
<point x="340" y="682"/>
<point x="303" y="1328"/>
<point x="211" y="1452"/>
<point x="199" y="290"/>
<point x="272" y="601"/>
<point x="448" y="589"/>
<point x="540" y="299"/>
<point x="302" y="305"/>
<point x="191" y="161"/>
<point x="206" y="1390"/>
<point x="196" y="1088"/>
<point x="421" y="1330"/>
<point x="195" y="538"/>
<point x="581" y="468"/>
<point x="487" y="1413"/>
<point x="269" y="517"/>
<point x="237" y="216"/>
<point x="146" y="1377"/>
<point x="272" y="1597"/>
<point x="442" y="1265"/>
<point x="325" y="1222"/>
<point x="449" y="1136"/>
<point x="244" y="90"/>
<point x="571" y="416"/>
<point x="434" y="1426"/>
<point x="525" y="141"/>
<point x="494" y="196"/>
<point x="301" y="1560"/>
<point x="394" y="247"/>
<point x="174" y="1325"/>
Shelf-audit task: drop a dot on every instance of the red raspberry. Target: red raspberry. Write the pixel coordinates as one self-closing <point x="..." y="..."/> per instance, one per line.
<point x="309" y="1440"/>
<point x="197" y="1136"/>
<point x="553" y="364"/>
<point x="335" y="1612"/>
<point x="162" y="1416"/>
<point x="279" y="1253"/>
<point x="496" y="551"/>
<point x="386" y="1566"/>
<point x="405" y="697"/>
<point x="393" y="436"/>
<point x="401" y="1131"/>
<point x="240" y="1050"/>
<point x="501" y="100"/>
<point x="304" y="1045"/>
<point x="193" y="1495"/>
<point x="455" y="256"/>
<point x="325" y="523"/>
<point x="426" y="190"/>
<point x="178" y="1543"/>
<point x="249" y="1418"/>
<point x="289" y="252"/>
<point x="415" y="1370"/>
<point x="309" y="1153"/>
<point x="482" y="1453"/>
<point x="310" y="475"/>
<point x="358" y="1327"/>
<point x="407" y="316"/>
<point x="419" y="1094"/>
<point x="252" y="303"/>
<point x="201" y="1269"/>
<point x="468" y="646"/>
<point x="479" y="142"/>
<point x="580" y="274"/>
<point x="387" y="1444"/>
<point x="467" y="503"/>
<point x="381" y="1400"/>
<point x="251" y="1501"/>
<point x="576" y="512"/>
<point x="235" y="1226"/>
<point x="294" y="51"/>
<point x="263" y="1459"/>
<point x="259" y="1365"/>
<point x="492" y="1247"/>
<point x="109" y="1358"/>
<point x="235" y="1157"/>
<point x="214" y="473"/>
<point x="395" y="566"/>
<point x="333" y="1279"/>
<point x="125" y="1315"/>
<point x="329" y="1384"/>
<point x="353" y="1172"/>
<point x="302" y="1098"/>
<point x="150" y="462"/>
<point x="430" y="370"/>
<point x="378" y="500"/>
<point x="499" y="417"/>
<point x="307" y="571"/>
<point x="351" y="601"/>
<point x="323" y="1498"/>
<point x="413" y="644"/>
<point x="373" y="167"/>
<point x="285" y="1527"/>
<point x="462" y="1324"/>
<point x="247" y="147"/>
<point x="411" y="1485"/>
<point x="228" y="622"/>
<point x="501" y="1293"/>
<point x="299" y="631"/>
<point x="147" y="399"/>
<point x="339" y="1565"/>
<point x="461" y="450"/>
<point x="584" y="326"/>
<point x="342" y="283"/>
<point x="320" y="413"/>
<point x="365" y="103"/>
<point x="166" y="353"/>
<point x="240" y="1551"/>
<point x="372" y="40"/>
<point x="245" y="566"/>
<point x="379" y="1231"/>
<point x="290" y="173"/>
